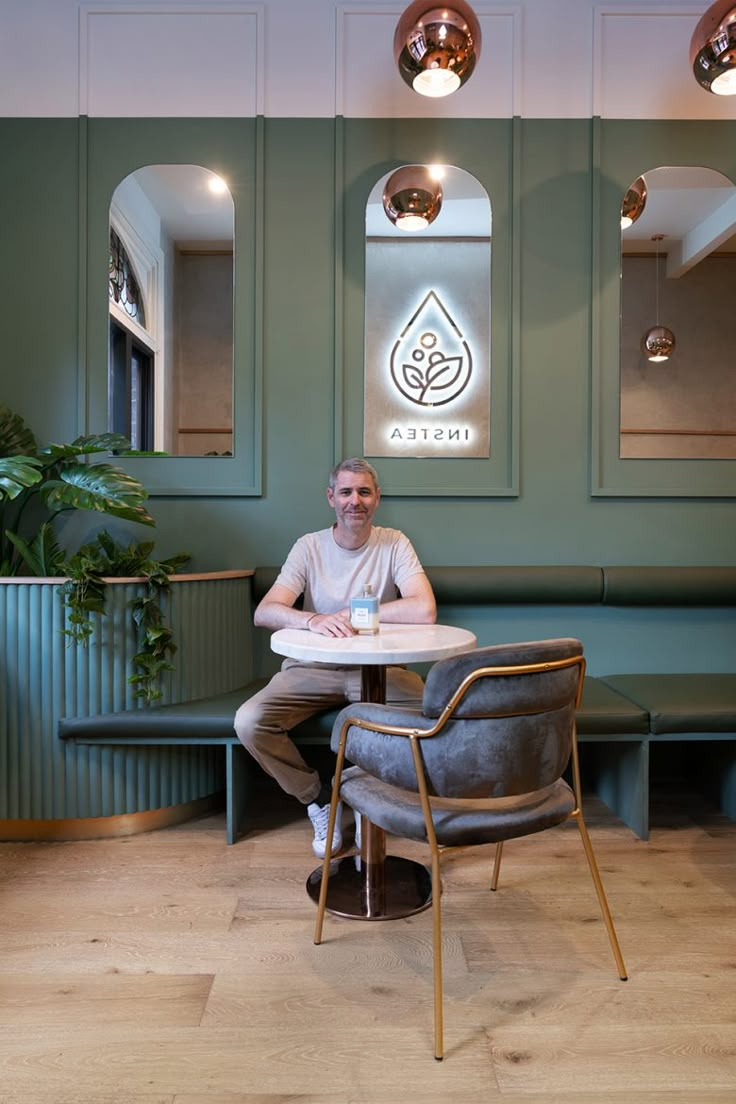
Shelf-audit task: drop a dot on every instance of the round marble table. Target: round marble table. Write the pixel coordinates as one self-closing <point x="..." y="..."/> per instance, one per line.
<point x="374" y="886"/>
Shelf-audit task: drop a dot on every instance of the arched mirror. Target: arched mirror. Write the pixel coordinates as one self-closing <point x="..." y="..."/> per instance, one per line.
<point x="678" y="279"/>
<point x="170" y="300"/>
<point x="427" y="315"/>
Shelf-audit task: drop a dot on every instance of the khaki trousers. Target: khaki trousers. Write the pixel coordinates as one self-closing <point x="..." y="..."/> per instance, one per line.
<point x="299" y="691"/>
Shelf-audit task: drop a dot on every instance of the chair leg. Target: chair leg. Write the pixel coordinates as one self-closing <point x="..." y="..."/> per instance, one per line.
<point x="606" y="912"/>
<point x="437" y="955"/>
<point x="497" y="864"/>
<point x="324" y="885"/>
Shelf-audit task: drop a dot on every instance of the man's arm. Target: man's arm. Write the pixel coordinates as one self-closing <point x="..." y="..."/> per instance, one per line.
<point x="276" y="611"/>
<point x="416" y="606"/>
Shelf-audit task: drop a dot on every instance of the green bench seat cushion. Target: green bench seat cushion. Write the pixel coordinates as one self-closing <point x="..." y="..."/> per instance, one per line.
<point x="669" y="586"/>
<point x="498" y="585"/>
<point x="604" y="712"/>
<point x="682" y="703"/>
<point x="568" y="585"/>
<point x="538" y="585"/>
<point x="208" y="718"/>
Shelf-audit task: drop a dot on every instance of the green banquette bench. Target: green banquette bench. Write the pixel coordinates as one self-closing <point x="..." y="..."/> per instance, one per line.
<point x="624" y="715"/>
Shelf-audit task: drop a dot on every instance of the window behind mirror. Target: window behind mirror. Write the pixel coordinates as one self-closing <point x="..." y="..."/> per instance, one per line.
<point x="131" y="365"/>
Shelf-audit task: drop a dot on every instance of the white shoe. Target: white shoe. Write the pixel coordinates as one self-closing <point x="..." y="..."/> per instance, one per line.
<point x="320" y="816"/>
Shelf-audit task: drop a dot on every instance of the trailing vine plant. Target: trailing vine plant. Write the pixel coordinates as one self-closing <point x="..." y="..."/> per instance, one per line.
<point x="84" y="597"/>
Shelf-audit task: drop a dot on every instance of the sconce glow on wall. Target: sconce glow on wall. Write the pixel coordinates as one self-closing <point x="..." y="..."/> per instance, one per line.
<point x="412" y="197"/>
<point x="713" y="49"/>
<point x="436" y="48"/>
<point x="634" y="203"/>
<point x="658" y="343"/>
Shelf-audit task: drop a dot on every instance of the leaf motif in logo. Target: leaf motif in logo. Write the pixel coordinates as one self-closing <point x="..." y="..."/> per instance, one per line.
<point x="446" y="369"/>
<point x="413" y="376"/>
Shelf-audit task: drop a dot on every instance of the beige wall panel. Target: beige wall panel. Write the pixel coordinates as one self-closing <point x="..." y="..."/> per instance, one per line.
<point x="170" y="61"/>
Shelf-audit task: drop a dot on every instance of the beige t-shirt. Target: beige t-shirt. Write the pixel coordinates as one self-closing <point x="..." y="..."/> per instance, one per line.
<point x="329" y="576"/>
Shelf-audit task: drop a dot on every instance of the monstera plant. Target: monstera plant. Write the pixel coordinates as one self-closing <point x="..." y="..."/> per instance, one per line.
<point x="37" y="486"/>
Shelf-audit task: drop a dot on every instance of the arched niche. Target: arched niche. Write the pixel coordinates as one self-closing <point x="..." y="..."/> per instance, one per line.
<point x="170" y="303"/>
<point x="624" y="150"/>
<point x="427" y="316"/>
<point x="678" y="277"/>
<point x="112" y="152"/>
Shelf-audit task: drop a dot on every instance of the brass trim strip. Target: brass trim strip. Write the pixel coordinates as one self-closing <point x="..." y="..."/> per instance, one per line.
<point x="682" y="432"/>
<point x="204" y="429"/>
<point x="201" y="576"/>
<point x="126" y="824"/>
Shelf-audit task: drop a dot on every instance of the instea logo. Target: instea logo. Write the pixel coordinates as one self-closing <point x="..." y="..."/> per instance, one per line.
<point x="431" y="363"/>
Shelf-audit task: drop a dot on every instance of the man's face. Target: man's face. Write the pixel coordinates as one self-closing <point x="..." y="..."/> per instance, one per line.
<point x="354" y="500"/>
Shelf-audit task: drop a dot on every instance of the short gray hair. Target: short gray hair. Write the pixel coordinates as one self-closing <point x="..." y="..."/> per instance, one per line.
<point x="354" y="464"/>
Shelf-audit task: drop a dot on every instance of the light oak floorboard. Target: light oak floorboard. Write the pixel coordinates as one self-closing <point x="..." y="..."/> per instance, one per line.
<point x="93" y="1001"/>
<point x="171" y="969"/>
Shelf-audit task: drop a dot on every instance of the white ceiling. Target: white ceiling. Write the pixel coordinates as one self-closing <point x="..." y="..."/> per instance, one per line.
<point x="695" y="211"/>
<point x="188" y="209"/>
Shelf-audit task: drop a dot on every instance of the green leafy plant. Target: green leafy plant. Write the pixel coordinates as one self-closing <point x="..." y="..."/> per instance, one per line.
<point x="84" y="596"/>
<point x="37" y="485"/>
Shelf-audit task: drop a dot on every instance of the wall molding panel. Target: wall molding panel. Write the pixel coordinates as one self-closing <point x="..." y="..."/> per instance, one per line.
<point x="367" y="83"/>
<point x="634" y="80"/>
<point x="191" y="60"/>
<point x="319" y="58"/>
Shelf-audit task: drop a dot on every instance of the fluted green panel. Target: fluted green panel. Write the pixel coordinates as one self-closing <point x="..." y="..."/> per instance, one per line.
<point x="45" y="677"/>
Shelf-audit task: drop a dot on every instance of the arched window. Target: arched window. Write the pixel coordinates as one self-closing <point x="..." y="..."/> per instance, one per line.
<point x="124" y="288"/>
<point x="131" y="353"/>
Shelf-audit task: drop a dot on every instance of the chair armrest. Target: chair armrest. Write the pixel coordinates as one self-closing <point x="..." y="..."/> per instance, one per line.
<point x="382" y="716"/>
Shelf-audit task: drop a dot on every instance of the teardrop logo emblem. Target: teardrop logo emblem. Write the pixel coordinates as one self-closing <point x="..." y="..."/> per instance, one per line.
<point x="431" y="363"/>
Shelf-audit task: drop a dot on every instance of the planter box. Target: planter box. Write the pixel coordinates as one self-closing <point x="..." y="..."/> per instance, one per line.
<point x="44" y="677"/>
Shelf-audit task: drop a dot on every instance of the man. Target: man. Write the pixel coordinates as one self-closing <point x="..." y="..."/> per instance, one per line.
<point x="329" y="568"/>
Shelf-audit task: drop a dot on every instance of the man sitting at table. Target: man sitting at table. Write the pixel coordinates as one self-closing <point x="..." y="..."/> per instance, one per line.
<point x="329" y="568"/>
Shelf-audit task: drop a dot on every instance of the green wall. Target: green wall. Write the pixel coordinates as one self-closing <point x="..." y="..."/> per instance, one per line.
<point x="299" y="340"/>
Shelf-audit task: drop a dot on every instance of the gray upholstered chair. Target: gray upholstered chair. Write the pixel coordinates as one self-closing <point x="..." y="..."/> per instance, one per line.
<point x="481" y="763"/>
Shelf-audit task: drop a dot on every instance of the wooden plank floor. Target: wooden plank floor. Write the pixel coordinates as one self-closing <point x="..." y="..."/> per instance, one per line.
<point x="169" y="968"/>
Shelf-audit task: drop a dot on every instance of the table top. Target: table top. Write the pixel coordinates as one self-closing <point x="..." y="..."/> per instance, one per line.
<point x="392" y="644"/>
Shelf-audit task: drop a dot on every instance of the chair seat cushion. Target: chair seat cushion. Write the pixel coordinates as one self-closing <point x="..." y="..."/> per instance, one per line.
<point x="682" y="703"/>
<point x="457" y="822"/>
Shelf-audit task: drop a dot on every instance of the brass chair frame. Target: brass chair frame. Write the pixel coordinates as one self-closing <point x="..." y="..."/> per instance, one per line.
<point x="415" y="736"/>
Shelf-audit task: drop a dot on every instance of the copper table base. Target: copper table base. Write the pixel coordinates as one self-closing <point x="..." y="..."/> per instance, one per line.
<point x="373" y="885"/>
<point x="386" y="891"/>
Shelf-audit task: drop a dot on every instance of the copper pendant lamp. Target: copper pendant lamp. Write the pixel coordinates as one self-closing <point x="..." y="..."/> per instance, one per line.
<point x="713" y="49"/>
<point x="658" y="343"/>
<point x="412" y="197"/>
<point x="435" y="47"/>
<point x="634" y="202"/>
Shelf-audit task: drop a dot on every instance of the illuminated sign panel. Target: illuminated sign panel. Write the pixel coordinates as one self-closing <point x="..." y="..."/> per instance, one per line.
<point x="427" y="369"/>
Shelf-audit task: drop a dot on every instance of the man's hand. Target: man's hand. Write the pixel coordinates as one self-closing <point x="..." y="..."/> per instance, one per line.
<point x="332" y="624"/>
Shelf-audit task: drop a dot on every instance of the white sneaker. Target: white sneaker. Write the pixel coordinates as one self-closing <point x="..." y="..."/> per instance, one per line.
<point x="320" y="816"/>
